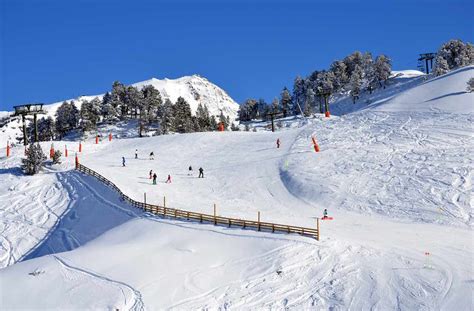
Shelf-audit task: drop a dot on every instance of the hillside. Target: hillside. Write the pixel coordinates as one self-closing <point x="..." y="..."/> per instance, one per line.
<point x="194" y="89"/>
<point x="397" y="180"/>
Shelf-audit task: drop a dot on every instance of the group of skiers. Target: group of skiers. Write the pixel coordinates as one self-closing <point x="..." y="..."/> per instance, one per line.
<point x="153" y="176"/>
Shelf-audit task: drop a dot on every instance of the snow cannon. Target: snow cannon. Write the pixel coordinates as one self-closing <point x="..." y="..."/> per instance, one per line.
<point x="110" y="136"/>
<point x="8" y="149"/>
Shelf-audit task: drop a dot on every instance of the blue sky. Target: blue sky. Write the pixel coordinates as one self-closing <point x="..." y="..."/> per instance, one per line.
<point x="55" y="50"/>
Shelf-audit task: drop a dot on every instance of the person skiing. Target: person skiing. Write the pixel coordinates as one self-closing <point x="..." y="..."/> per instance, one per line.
<point x="154" y="179"/>
<point x="190" y="171"/>
<point x="201" y="173"/>
<point x="168" y="181"/>
<point x="152" y="155"/>
<point x="123" y="161"/>
<point x="151" y="174"/>
<point x="136" y="153"/>
<point x="325" y="213"/>
<point x="278" y="142"/>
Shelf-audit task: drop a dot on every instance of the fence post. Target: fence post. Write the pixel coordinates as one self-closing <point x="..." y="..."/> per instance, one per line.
<point x="164" y="201"/>
<point x="317" y="228"/>
<point x="215" y="220"/>
<point x="144" y="196"/>
<point x="259" y="221"/>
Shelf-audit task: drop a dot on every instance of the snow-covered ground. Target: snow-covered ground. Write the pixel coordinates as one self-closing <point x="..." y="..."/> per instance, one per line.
<point x="396" y="178"/>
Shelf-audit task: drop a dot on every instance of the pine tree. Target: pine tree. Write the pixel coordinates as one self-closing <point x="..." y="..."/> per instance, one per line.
<point x="453" y="54"/>
<point x="34" y="159"/>
<point x="109" y="108"/>
<point x="213" y="123"/>
<point x="441" y="66"/>
<point x="182" y="122"/>
<point x="90" y="114"/>
<point x="118" y="95"/>
<point x="67" y="118"/>
<point x="309" y="103"/>
<point x="203" y="119"/>
<point x="298" y="94"/>
<point x="382" y="69"/>
<point x="285" y="102"/>
<point x="339" y="69"/>
<point x="166" y="117"/>
<point x="356" y="83"/>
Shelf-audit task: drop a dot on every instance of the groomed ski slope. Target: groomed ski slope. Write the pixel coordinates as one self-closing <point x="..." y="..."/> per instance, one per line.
<point x="397" y="181"/>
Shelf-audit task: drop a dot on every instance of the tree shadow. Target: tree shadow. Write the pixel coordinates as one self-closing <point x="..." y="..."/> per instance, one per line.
<point x="446" y="95"/>
<point x="17" y="171"/>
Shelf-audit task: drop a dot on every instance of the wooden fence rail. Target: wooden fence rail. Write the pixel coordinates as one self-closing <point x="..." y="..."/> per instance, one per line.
<point x="205" y="218"/>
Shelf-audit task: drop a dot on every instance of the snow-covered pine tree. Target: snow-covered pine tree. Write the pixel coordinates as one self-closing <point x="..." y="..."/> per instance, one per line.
<point x="109" y="108"/>
<point x="382" y="69"/>
<point x="133" y="100"/>
<point x="46" y="129"/>
<point x="298" y="95"/>
<point x="118" y="95"/>
<point x="90" y="114"/>
<point x="339" y="69"/>
<point x="262" y="109"/>
<point x="453" y="54"/>
<point x="441" y="66"/>
<point x="34" y="159"/>
<point x="309" y="103"/>
<point x="356" y="83"/>
<point x="285" y="102"/>
<point x="470" y="85"/>
<point x="67" y="118"/>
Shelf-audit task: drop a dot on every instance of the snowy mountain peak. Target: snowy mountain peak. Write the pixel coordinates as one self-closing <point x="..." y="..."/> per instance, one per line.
<point x="195" y="90"/>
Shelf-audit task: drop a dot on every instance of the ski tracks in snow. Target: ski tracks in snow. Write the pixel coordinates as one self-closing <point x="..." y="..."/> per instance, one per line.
<point x="132" y="299"/>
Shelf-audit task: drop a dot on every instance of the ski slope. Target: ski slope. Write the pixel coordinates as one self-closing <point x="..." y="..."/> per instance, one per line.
<point x="397" y="180"/>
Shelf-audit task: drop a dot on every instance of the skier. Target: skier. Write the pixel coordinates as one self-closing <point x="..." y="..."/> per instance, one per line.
<point x="151" y="174"/>
<point x="154" y="179"/>
<point x="123" y="161"/>
<point x="190" y="171"/>
<point x="168" y="181"/>
<point x="325" y="213"/>
<point x="136" y="153"/>
<point x="201" y="173"/>
<point x="278" y="142"/>
<point x="152" y="156"/>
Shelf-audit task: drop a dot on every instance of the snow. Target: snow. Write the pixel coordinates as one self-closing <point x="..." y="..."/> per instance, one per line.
<point x="406" y="73"/>
<point x="396" y="175"/>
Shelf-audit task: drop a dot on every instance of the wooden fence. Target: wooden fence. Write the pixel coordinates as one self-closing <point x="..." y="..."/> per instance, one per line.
<point x="205" y="218"/>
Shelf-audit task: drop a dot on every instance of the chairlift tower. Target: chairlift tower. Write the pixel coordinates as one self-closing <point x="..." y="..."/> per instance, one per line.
<point x="28" y="110"/>
<point x="427" y="57"/>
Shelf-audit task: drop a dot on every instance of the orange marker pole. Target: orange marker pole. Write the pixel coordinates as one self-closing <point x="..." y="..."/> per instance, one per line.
<point x="110" y="136"/>
<point x="8" y="149"/>
<point x="77" y="162"/>
<point x="51" y="151"/>
<point x="65" y="151"/>
<point x="327" y="114"/>
<point x="80" y="147"/>
<point x="96" y="139"/>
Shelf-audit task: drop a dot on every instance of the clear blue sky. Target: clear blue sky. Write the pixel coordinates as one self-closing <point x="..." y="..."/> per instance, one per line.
<point x="55" y="50"/>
